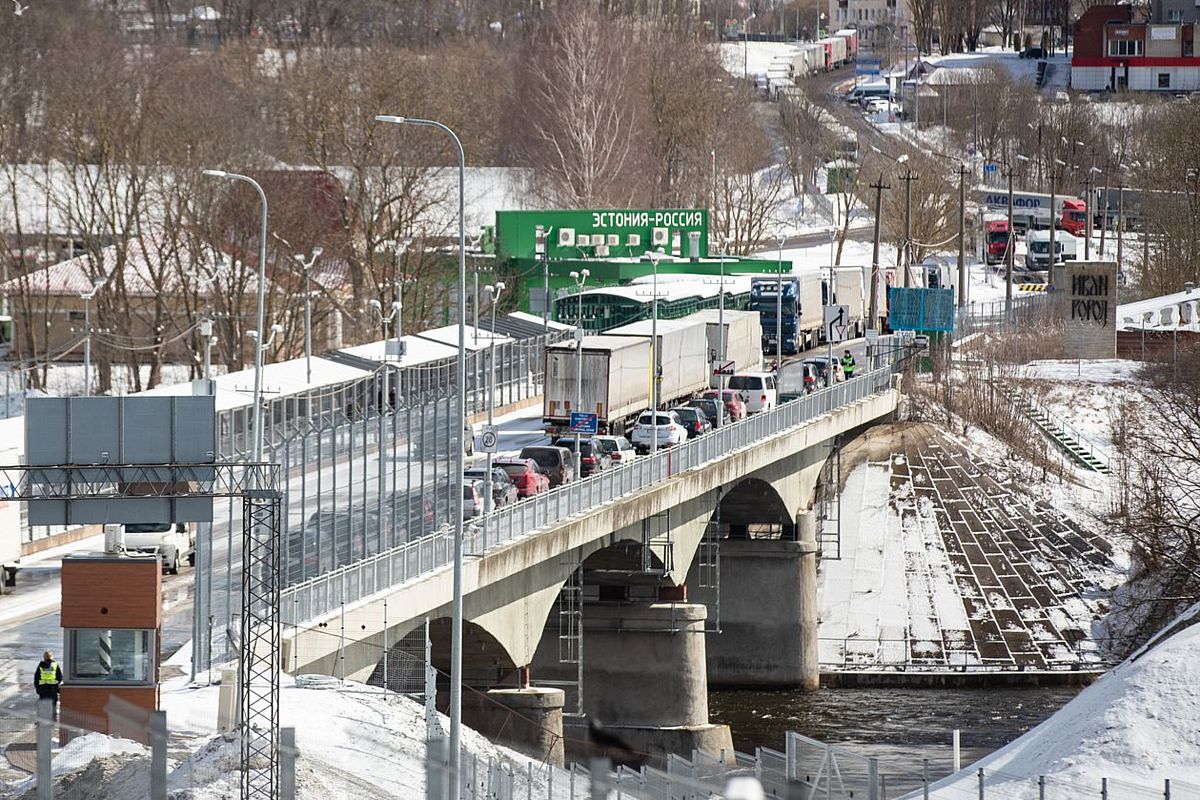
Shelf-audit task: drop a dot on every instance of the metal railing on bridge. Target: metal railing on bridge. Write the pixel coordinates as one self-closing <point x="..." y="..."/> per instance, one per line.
<point x="326" y="593"/>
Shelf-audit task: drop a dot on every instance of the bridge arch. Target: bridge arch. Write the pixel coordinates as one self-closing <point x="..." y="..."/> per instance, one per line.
<point x="753" y="509"/>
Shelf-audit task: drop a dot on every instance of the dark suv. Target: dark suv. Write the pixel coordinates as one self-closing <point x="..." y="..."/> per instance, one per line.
<point x="557" y="462"/>
<point x="695" y="420"/>
<point x="592" y="458"/>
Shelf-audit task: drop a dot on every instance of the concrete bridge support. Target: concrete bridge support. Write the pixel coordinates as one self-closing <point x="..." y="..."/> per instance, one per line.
<point x="768" y="612"/>
<point x="645" y="682"/>
<point x="529" y="720"/>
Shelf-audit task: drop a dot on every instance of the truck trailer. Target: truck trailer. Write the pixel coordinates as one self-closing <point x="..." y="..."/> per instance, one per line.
<point x="743" y="340"/>
<point x="1032" y="210"/>
<point x="849" y="290"/>
<point x="682" y="356"/>
<point x="616" y="383"/>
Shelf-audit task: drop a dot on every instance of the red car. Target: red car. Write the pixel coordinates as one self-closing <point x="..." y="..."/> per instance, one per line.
<point x="734" y="406"/>
<point x="525" y="474"/>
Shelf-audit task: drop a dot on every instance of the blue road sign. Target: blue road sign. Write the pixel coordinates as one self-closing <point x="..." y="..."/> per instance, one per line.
<point x="583" y="423"/>
<point x="990" y="166"/>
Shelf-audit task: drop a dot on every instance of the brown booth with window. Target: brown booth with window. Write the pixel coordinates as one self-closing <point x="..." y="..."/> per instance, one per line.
<point x="111" y="620"/>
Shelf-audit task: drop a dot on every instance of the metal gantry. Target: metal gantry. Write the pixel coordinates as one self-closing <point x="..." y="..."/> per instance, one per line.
<point x="258" y="486"/>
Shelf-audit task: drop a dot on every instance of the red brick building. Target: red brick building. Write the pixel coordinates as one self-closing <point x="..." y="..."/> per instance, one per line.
<point x="1115" y="53"/>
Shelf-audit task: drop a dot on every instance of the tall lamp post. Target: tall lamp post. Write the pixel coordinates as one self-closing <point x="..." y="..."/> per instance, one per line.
<point x="87" y="297"/>
<point x="256" y="417"/>
<point x="306" y="269"/>
<point x="493" y="296"/>
<point x="746" y="46"/>
<point x="580" y="278"/>
<point x="654" y="257"/>
<point x="460" y="459"/>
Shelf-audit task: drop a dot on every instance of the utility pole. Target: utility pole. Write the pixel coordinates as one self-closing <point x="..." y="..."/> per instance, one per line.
<point x="908" y="177"/>
<point x="1104" y="210"/>
<point x="878" y="187"/>
<point x="962" y="234"/>
<point x="1089" y="204"/>
<point x="1052" y="256"/>
<point x="1120" y="226"/>
<point x="1011" y="248"/>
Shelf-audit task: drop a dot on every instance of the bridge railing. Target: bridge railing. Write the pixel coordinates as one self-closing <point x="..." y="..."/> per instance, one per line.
<point x="326" y="593"/>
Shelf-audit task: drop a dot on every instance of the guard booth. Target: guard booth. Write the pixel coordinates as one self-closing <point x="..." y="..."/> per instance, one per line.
<point x="76" y="449"/>
<point x="111" y="620"/>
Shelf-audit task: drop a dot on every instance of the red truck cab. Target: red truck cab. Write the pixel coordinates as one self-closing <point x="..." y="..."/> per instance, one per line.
<point x="996" y="240"/>
<point x="1074" y="217"/>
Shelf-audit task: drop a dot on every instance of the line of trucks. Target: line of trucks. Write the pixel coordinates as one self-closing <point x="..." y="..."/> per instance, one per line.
<point x="616" y="369"/>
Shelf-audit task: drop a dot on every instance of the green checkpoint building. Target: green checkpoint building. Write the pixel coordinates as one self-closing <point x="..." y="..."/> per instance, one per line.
<point x="539" y="249"/>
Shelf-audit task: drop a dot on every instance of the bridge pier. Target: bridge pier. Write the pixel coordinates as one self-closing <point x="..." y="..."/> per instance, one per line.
<point x="768" y="612"/>
<point x="645" y="682"/>
<point x="528" y="719"/>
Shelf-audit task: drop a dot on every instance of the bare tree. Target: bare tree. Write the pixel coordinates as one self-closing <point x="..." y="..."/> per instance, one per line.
<point x="581" y="111"/>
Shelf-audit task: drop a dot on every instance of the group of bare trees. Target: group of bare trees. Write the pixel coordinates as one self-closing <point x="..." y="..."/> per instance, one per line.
<point x="612" y="104"/>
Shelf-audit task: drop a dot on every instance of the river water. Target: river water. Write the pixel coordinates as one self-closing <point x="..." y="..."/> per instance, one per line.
<point x="899" y="726"/>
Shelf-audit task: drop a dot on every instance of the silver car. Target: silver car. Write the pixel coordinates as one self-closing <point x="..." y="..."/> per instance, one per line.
<point x="472" y="504"/>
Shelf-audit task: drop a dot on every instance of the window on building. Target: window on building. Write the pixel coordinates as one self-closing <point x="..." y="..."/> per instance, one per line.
<point x="1164" y="80"/>
<point x="110" y="656"/>
<point x="1174" y="15"/>
<point x="1124" y="47"/>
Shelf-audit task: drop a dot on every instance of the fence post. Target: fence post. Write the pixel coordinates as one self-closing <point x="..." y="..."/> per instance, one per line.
<point x="872" y="779"/>
<point x="1166" y="789"/>
<point x="158" y="755"/>
<point x="789" y="746"/>
<point x="925" y="779"/>
<point x="1041" y="787"/>
<point x="598" y="767"/>
<point x="45" y="732"/>
<point x="981" y="783"/>
<point x="287" y="764"/>
<point x="1104" y="789"/>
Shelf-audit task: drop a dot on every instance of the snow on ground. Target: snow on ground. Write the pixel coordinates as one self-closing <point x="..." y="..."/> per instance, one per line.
<point x="1137" y="724"/>
<point x="1108" y="370"/>
<point x="354" y="741"/>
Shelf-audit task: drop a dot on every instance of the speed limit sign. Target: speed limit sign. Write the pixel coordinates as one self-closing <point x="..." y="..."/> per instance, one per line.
<point x="490" y="439"/>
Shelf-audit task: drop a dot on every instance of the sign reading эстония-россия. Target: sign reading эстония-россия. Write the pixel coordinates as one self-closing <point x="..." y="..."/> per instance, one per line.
<point x="599" y="233"/>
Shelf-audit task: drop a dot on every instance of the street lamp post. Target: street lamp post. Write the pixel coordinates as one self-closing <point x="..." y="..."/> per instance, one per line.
<point x="579" y="278"/>
<point x="87" y="297"/>
<point x="722" y="339"/>
<point x="654" y="354"/>
<point x="493" y="294"/>
<point x="457" y="621"/>
<point x="306" y="268"/>
<point x="779" y="312"/>
<point x="256" y="417"/>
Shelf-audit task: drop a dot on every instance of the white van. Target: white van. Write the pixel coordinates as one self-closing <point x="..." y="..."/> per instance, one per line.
<point x="1037" y="249"/>
<point x="757" y="388"/>
<point x="174" y="543"/>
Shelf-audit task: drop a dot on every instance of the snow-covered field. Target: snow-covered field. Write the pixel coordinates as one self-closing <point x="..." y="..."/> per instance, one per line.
<point x="1136" y="726"/>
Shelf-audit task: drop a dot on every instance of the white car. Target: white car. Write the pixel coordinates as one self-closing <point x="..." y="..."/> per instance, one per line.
<point x="173" y="542"/>
<point x="670" y="431"/>
<point x="618" y="448"/>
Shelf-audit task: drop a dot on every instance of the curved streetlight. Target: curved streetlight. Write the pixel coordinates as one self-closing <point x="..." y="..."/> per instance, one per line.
<point x="306" y="266"/>
<point x="256" y="417"/>
<point x="493" y="295"/>
<point x="580" y="278"/>
<point x="456" y="635"/>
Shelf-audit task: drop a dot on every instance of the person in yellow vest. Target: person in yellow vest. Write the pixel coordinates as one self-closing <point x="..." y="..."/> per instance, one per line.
<point x="47" y="680"/>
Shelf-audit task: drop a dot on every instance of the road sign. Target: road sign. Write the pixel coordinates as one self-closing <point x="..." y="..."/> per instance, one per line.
<point x="584" y="423"/>
<point x="872" y="336"/>
<point x="837" y="322"/>
<point x="990" y="166"/>
<point x="722" y="367"/>
<point x="490" y="439"/>
<point x="867" y="66"/>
